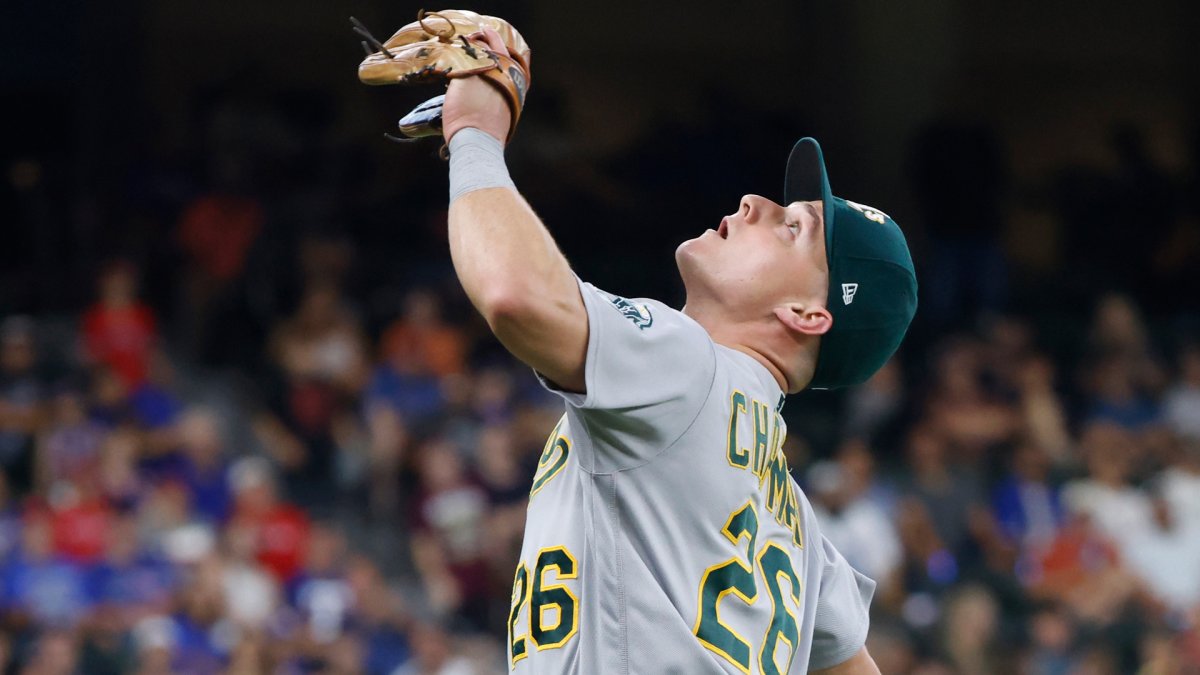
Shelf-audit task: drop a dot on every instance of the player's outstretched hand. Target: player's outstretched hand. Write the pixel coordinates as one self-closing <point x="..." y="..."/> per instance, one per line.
<point x="472" y="102"/>
<point x="463" y="49"/>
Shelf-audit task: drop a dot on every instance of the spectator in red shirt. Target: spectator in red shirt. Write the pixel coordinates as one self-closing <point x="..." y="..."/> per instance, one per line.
<point x="82" y="526"/>
<point x="215" y="234"/>
<point x="280" y="529"/>
<point x="119" y="331"/>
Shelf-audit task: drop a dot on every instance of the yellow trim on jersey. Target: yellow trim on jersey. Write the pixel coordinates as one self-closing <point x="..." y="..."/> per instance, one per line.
<point x="750" y="533"/>
<point x="784" y="640"/>
<point x="518" y="602"/>
<point x="797" y="521"/>
<point x="737" y="456"/>
<point x="762" y="436"/>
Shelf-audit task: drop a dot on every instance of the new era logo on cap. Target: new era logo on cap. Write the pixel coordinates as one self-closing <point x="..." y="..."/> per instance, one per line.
<point x="848" y="291"/>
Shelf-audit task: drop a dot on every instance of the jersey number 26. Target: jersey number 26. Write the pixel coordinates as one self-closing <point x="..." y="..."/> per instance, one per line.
<point x="737" y="576"/>
<point x="553" y="608"/>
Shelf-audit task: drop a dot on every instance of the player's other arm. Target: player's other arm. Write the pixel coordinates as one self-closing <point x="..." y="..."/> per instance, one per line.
<point x="516" y="277"/>
<point x="859" y="664"/>
<point x="506" y="260"/>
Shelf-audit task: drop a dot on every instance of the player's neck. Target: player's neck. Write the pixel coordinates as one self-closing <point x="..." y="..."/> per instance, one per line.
<point x="770" y="365"/>
<point x="762" y="341"/>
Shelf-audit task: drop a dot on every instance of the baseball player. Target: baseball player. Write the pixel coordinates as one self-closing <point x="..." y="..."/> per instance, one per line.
<point x="665" y="533"/>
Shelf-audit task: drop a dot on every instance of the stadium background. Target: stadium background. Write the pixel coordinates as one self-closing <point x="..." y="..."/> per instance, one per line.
<point x="249" y="424"/>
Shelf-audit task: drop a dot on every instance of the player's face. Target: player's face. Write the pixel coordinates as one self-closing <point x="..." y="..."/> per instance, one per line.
<point x="759" y="257"/>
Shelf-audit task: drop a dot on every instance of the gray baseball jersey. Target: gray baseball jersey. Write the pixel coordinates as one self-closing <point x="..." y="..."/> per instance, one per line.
<point x="665" y="533"/>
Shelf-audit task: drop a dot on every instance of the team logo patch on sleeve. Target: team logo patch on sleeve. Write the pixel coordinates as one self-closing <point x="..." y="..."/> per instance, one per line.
<point x="638" y="314"/>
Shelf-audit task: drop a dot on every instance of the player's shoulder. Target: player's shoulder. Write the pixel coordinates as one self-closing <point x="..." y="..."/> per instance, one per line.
<point x="644" y="313"/>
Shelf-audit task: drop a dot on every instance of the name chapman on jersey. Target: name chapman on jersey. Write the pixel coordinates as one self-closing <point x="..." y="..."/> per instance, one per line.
<point x="752" y="422"/>
<point x="761" y="428"/>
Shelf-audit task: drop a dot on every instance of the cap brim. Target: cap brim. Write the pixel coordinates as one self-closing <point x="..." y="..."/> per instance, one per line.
<point x="805" y="180"/>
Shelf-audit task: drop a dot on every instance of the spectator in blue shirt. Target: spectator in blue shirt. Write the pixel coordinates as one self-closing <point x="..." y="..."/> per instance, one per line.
<point x="41" y="587"/>
<point x="205" y="465"/>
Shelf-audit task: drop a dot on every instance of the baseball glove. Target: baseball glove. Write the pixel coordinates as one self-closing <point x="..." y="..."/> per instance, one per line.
<point x="440" y="46"/>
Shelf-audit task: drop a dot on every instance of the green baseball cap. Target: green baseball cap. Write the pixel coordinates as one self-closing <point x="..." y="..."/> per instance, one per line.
<point x="872" y="283"/>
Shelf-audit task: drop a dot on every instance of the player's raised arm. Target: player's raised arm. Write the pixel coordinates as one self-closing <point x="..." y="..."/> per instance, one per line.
<point x="521" y="284"/>
<point x="507" y="262"/>
<point x="505" y="258"/>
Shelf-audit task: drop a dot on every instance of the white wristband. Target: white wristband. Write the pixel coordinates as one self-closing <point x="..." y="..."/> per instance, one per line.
<point x="476" y="163"/>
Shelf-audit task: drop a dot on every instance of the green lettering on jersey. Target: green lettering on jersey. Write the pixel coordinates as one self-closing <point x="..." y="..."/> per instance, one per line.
<point x="736" y="577"/>
<point x="730" y="577"/>
<point x="553" y="459"/>
<point x="776" y="566"/>
<point x="777" y="434"/>
<point x="777" y="484"/>
<point x="762" y="437"/>
<point x="766" y="460"/>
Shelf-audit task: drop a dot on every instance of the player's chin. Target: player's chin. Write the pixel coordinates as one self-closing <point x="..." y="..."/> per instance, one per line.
<point x="689" y="254"/>
<point x="693" y="257"/>
<point x="695" y="245"/>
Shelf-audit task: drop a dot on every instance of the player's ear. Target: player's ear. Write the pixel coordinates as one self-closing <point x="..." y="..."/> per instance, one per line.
<point x="813" y="320"/>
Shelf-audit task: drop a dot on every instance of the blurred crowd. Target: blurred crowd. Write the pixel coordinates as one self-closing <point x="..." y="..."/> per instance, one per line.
<point x="1025" y="516"/>
<point x="360" y="519"/>
<point x="363" y="513"/>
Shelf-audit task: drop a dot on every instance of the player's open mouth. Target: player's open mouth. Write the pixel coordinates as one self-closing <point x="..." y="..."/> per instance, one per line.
<point x="723" y="230"/>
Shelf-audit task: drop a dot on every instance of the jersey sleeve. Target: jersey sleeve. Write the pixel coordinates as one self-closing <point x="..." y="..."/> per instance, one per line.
<point x="648" y="372"/>
<point x="842" y="610"/>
